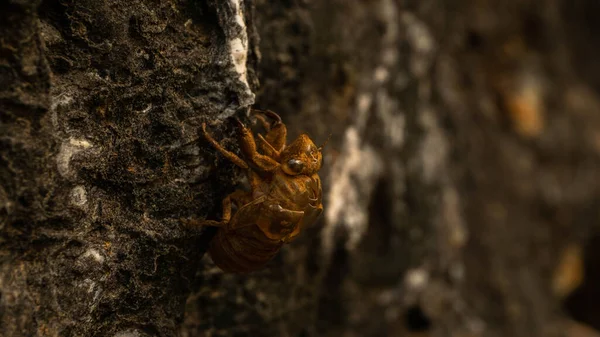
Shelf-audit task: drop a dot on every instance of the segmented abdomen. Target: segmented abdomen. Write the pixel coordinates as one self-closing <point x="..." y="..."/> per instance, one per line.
<point x="295" y="193"/>
<point x="243" y="250"/>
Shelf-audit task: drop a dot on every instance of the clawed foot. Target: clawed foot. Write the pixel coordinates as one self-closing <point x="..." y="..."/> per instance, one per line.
<point x="195" y="223"/>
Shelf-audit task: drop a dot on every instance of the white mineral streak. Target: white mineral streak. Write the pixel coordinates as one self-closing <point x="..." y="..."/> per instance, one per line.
<point x="451" y="214"/>
<point x="239" y="45"/>
<point x="433" y="159"/>
<point x="358" y="167"/>
<point x="239" y="52"/>
<point x="389" y="14"/>
<point x="433" y="148"/>
<point x="238" y="49"/>
<point x="364" y="103"/>
<point x="66" y="152"/>
<point x="352" y="177"/>
<point x="393" y="121"/>
<point x="387" y="108"/>
<point x="422" y="43"/>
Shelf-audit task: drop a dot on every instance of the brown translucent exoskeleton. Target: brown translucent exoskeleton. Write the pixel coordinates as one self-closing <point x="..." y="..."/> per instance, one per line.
<point x="285" y="196"/>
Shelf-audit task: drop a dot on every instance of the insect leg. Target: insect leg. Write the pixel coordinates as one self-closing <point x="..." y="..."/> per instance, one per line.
<point x="266" y="125"/>
<point x="277" y="132"/>
<point x="267" y="113"/>
<point x="277" y="222"/>
<point x="285" y="216"/>
<point x="246" y="215"/>
<point x="236" y="197"/>
<point x="229" y="155"/>
<point x="264" y="146"/>
<point x="310" y="214"/>
<point x="267" y="148"/>
<point x="190" y="223"/>
<point x="248" y="147"/>
<point x="313" y="209"/>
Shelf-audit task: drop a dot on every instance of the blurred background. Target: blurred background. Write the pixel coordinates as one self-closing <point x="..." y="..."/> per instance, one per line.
<point x="461" y="181"/>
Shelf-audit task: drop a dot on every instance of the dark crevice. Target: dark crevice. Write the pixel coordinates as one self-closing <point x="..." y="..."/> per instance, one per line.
<point x="584" y="35"/>
<point x="583" y="304"/>
<point x="416" y="320"/>
<point x="474" y="40"/>
<point x="331" y="307"/>
<point x="380" y="218"/>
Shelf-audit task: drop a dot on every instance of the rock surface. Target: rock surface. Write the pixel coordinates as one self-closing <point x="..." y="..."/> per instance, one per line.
<point x="461" y="179"/>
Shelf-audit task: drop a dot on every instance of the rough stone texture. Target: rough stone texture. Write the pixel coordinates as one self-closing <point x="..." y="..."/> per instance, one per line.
<point x="98" y="100"/>
<point x="461" y="179"/>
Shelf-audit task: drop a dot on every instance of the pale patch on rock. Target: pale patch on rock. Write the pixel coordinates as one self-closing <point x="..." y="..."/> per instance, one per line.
<point x="95" y="254"/>
<point x="420" y="38"/>
<point x="433" y="148"/>
<point x="57" y="101"/>
<point x="79" y="196"/>
<point x="66" y="152"/>
<point x="393" y="121"/>
<point x="129" y="333"/>
<point x="416" y="279"/>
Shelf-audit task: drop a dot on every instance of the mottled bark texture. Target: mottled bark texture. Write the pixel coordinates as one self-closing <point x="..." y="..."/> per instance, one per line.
<point x="461" y="180"/>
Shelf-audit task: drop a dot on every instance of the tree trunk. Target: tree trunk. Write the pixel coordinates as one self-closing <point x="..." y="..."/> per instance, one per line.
<point x="461" y="179"/>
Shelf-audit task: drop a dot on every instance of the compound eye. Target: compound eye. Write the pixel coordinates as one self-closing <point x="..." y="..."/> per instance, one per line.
<point x="295" y="165"/>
